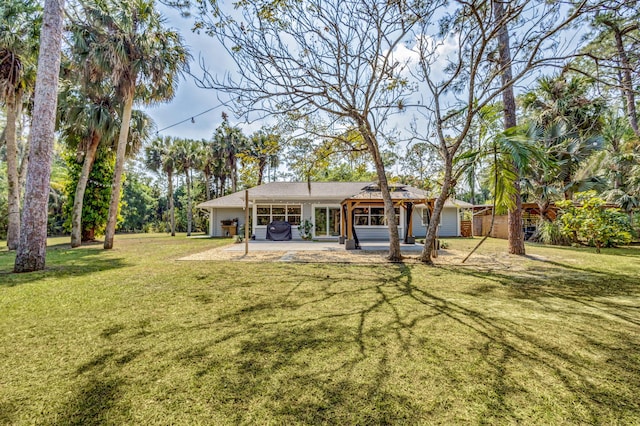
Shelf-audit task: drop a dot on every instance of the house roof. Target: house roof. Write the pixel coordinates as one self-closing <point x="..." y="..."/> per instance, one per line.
<point x="398" y="192"/>
<point x="284" y="191"/>
<point x="452" y="202"/>
<point x="277" y="192"/>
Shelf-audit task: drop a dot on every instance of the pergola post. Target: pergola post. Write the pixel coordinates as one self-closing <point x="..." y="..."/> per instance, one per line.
<point x="408" y="235"/>
<point x="343" y="223"/>
<point x="350" y="243"/>
<point x="403" y="199"/>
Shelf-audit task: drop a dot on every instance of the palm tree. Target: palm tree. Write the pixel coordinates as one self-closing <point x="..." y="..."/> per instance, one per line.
<point x="19" y="26"/>
<point x="273" y="164"/>
<point x="186" y="156"/>
<point x="88" y="121"/>
<point x="88" y="117"/>
<point x="569" y="125"/>
<point x="219" y="172"/>
<point x="619" y="161"/>
<point x="128" y="42"/>
<point x="516" y="235"/>
<point x="207" y="160"/>
<point x="511" y="157"/>
<point x="560" y="173"/>
<point x="509" y="154"/>
<point x="33" y="230"/>
<point x="160" y="159"/>
<point x="262" y="147"/>
<point x="230" y="142"/>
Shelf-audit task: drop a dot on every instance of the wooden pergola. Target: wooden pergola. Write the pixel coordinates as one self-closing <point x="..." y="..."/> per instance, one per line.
<point x="371" y="197"/>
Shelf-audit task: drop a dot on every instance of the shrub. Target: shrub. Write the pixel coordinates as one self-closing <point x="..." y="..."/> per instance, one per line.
<point x="590" y="222"/>
<point x="551" y="233"/>
<point x="305" y="228"/>
<point x="95" y="208"/>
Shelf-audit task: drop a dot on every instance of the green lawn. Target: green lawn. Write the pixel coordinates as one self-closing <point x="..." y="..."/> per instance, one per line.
<point x="134" y="336"/>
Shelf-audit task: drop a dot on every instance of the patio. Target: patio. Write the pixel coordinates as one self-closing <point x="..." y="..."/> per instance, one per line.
<point x="295" y="246"/>
<point x="372" y="252"/>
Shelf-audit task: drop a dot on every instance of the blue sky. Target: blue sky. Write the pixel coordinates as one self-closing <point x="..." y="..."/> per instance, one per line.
<point x="191" y="100"/>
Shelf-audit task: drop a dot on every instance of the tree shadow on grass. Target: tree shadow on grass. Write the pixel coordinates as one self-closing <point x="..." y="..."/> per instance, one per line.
<point x="278" y="370"/>
<point x="317" y="350"/>
<point x="588" y="287"/>
<point x="627" y="251"/>
<point x="93" y="402"/>
<point x="98" y="398"/>
<point x="7" y="412"/>
<point x="64" y="264"/>
<point x="332" y="365"/>
<point x="276" y="364"/>
<point x="606" y="392"/>
<point x="559" y="278"/>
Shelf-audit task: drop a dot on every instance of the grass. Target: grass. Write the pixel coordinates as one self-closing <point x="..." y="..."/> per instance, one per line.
<point x="134" y="336"/>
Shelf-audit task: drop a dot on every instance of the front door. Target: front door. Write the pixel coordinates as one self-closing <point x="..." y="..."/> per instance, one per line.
<point x="327" y="222"/>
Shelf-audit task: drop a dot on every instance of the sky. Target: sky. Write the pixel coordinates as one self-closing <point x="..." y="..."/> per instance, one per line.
<point x="175" y="117"/>
<point x="190" y="100"/>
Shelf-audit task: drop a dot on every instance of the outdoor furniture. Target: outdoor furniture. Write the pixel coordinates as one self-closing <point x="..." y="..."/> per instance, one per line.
<point x="229" y="227"/>
<point x="230" y="230"/>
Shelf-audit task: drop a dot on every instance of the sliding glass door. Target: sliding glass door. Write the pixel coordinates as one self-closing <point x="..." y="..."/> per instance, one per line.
<point x="327" y="221"/>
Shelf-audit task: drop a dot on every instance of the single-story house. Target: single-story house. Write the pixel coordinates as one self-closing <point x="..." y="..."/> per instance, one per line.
<point x="336" y="209"/>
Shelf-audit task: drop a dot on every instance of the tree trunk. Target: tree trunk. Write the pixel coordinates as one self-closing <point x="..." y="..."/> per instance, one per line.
<point x="568" y="192"/>
<point x="13" y="181"/>
<point x="223" y="184"/>
<point x="543" y="209"/>
<point x="234" y="176"/>
<point x="189" y="212"/>
<point x="262" y="164"/>
<point x="24" y="158"/>
<point x="472" y="185"/>
<point x="119" y="168"/>
<point x="395" y="254"/>
<point x="89" y="234"/>
<point x="207" y="184"/>
<point x="432" y="229"/>
<point x="78" y="201"/>
<point x="31" y="253"/>
<point x="514" y="222"/>
<point x="172" y="216"/>
<point x="516" y="234"/>
<point x="627" y="82"/>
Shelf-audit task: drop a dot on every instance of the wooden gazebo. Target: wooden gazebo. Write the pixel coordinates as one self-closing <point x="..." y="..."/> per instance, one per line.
<point x="371" y="197"/>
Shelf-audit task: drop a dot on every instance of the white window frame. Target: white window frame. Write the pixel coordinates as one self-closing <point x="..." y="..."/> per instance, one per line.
<point x="278" y="205"/>
<point x="423" y="216"/>
<point x="368" y="216"/>
<point x="326" y="207"/>
<point x="424" y="222"/>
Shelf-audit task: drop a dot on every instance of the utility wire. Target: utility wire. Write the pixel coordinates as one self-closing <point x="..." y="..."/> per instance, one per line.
<point x="192" y="118"/>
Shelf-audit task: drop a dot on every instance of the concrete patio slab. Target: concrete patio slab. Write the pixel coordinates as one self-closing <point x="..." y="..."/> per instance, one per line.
<point x="293" y="246"/>
<point x="372" y="253"/>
